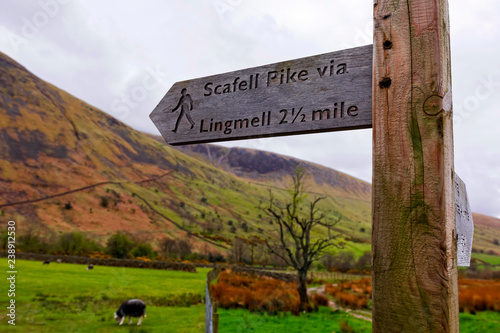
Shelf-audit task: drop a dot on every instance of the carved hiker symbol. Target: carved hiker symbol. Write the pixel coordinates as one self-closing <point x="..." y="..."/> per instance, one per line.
<point x="186" y="105"/>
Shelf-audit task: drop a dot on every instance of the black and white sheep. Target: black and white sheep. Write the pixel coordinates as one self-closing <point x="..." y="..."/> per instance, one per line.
<point x="131" y="308"/>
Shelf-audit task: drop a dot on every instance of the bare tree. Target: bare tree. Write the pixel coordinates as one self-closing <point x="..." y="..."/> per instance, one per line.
<point x="245" y="250"/>
<point x="239" y="251"/>
<point x="293" y="242"/>
<point x="175" y="247"/>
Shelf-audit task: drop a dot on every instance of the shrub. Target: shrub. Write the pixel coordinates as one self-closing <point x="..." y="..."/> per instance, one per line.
<point x="342" y="262"/>
<point x="30" y="242"/>
<point x="255" y="293"/>
<point x="353" y="294"/>
<point x="76" y="243"/>
<point x="104" y="202"/>
<point x="119" y="245"/>
<point x="216" y="257"/>
<point x="143" y="250"/>
<point x="99" y="254"/>
<point x="320" y="267"/>
<point x="319" y="300"/>
<point x="478" y="295"/>
<point x="195" y="257"/>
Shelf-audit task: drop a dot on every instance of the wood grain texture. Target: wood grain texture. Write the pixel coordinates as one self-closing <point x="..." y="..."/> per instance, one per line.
<point x="326" y="92"/>
<point x="414" y="243"/>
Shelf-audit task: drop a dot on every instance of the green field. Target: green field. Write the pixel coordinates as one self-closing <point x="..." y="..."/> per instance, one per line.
<point x="482" y="322"/>
<point x="325" y="320"/>
<point x="68" y="298"/>
<point x="492" y="261"/>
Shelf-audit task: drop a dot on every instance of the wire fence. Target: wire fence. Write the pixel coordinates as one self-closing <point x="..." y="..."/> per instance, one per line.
<point x="211" y="315"/>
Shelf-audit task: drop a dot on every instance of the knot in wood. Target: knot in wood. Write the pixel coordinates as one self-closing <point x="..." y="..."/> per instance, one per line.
<point x="433" y="105"/>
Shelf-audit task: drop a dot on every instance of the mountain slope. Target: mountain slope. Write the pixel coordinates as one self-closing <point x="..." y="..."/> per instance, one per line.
<point x="486" y="233"/>
<point x="67" y="166"/>
<point x="268" y="167"/>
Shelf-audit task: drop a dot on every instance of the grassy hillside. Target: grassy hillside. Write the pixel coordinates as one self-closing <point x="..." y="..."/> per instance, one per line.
<point x="486" y="233"/>
<point x="67" y="166"/>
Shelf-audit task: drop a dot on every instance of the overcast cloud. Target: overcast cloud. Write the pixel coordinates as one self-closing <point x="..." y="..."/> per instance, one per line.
<point x="122" y="56"/>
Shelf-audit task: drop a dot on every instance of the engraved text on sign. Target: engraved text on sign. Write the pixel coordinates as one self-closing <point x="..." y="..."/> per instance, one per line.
<point x="327" y="92"/>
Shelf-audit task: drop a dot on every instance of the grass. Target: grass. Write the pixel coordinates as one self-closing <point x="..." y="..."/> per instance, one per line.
<point x="68" y="298"/>
<point x="481" y="322"/>
<point x="325" y="320"/>
<point x="112" y="282"/>
<point x="159" y="319"/>
<point x="491" y="260"/>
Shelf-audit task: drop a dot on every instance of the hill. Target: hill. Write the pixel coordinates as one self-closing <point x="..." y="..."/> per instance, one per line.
<point x="265" y="167"/>
<point x="67" y="166"/>
<point x="486" y="234"/>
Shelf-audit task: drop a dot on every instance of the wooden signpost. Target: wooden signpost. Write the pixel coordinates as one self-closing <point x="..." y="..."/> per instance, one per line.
<point x="408" y="101"/>
<point x="414" y="242"/>
<point x="327" y="92"/>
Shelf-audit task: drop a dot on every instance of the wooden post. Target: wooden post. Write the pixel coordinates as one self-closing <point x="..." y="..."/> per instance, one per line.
<point x="414" y="243"/>
<point x="215" y="318"/>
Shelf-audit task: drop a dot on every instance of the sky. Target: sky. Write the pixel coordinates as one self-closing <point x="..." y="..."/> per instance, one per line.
<point x="122" y="56"/>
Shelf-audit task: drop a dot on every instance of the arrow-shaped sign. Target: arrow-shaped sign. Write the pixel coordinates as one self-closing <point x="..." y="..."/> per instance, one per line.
<point x="327" y="92"/>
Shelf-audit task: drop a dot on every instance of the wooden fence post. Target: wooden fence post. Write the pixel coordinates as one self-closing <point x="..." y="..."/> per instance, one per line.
<point x="414" y="243"/>
<point x="215" y="317"/>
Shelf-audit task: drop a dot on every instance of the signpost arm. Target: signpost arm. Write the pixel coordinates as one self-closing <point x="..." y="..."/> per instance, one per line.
<point x="414" y="237"/>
